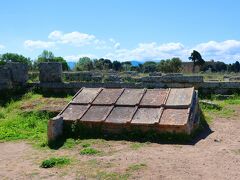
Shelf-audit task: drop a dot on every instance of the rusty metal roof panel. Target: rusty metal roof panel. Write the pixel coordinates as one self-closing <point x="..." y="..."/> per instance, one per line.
<point x="74" y="111"/>
<point x="108" y="97"/>
<point x="130" y="97"/>
<point x="86" y="95"/>
<point x="121" y="115"/>
<point x="147" y="116"/>
<point x="174" y="117"/>
<point x="154" y="97"/>
<point x="97" y="113"/>
<point x="180" y="98"/>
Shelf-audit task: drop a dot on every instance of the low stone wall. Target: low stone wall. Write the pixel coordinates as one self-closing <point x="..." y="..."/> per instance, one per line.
<point x="173" y="79"/>
<point x="204" y="87"/>
<point x="50" y="76"/>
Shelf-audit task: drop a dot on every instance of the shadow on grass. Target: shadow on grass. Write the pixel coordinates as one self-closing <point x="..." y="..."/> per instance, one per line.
<point x="80" y="131"/>
<point x="6" y="96"/>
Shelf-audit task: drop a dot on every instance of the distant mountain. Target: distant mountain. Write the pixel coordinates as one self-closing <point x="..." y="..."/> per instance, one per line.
<point x="135" y="63"/>
<point x="71" y="64"/>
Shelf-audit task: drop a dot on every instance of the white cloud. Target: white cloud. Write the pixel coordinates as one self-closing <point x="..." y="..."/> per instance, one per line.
<point x="75" y="38"/>
<point x="2" y="47"/>
<point x="38" y="44"/>
<point x="148" y="51"/>
<point x="227" y="51"/>
<point x="117" y="46"/>
<point x="76" y="57"/>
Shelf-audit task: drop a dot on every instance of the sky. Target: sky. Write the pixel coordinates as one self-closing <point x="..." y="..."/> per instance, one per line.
<point x="122" y="30"/>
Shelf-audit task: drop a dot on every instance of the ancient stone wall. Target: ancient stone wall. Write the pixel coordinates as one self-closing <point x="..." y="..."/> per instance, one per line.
<point x="15" y="74"/>
<point x="19" y="72"/>
<point x="50" y="72"/>
<point x="5" y="78"/>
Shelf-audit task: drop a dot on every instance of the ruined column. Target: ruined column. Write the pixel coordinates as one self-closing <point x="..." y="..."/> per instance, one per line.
<point x="19" y="72"/>
<point x="55" y="129"/>
<point x="50" y="72"/>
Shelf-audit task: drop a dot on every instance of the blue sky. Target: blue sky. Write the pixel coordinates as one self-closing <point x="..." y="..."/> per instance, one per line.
<point x="122" y="30"/>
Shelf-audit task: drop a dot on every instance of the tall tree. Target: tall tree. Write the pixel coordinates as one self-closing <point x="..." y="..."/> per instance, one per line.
<point x="116" y="65"/>
<point x="149" y="66"/>
<point x="48" y="56"/>
<point x="197" y="59"/>
<point x="126" y="65"/>
<point x="13" y="57"/>
<point x="170" y="65"/>
<point x="84" y="64"/>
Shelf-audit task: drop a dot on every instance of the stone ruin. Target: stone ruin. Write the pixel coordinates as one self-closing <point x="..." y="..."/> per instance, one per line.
<point x="50" y="72"/>
<point x="13" y="74"/>
<point x="117" y="110"/>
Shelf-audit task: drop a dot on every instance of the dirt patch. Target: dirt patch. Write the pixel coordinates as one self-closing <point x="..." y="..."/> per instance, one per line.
<point x="215" y="157"/>
<point x="44" y="104"/>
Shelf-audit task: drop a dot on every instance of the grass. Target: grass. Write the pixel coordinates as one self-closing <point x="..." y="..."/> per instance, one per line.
<point x="17" y="123"/>
<point x="136" y="145"/>
<point x="136" y="167"/>
<point x="89" y="151"/>
<point x="112" y="175"/>
<point x="221" y="109"/>
<point x="55" y="161"/>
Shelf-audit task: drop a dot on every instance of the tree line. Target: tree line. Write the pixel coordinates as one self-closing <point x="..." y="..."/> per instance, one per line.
<point x="168" y="66"/>
<point x="87" y="64"/>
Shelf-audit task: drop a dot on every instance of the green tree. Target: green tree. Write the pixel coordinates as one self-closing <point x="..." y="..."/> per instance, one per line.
<point x="13" y="57"/>
<point x="116" y="65"/>
<point x="126" y="66"/>
<point x="102" y="64"/>
<point x="170" y="65"/>
<point x="63" y="61"/>
<point x="149" y="66"/>
<point x="48" y="56"/>
<point x="197" y="59"/>
<point x="84" y="64"/>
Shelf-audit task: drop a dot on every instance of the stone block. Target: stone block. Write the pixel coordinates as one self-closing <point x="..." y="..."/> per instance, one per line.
<point x="50" y="72"/>
<point x="108" y="96"/>
<point x="86" y="95"/>
<point x="55" y="129"/>
<point x="96" y="114"/>
<point x="5" y="78"/>
<point x="147" y="116"/>
<point x="19" y="72"/>
<point x="121" y="115"/>
<point x="130" y="97"/>
<point x="74" y="112"/>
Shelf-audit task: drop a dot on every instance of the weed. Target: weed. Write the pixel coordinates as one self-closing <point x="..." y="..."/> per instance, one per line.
<point x="136" y="167"/>
<point x="85" y="145"/>
<point x="136" y="146"/>
<point x="112" y="175"/>
<point x="89" y="151"/>
<point x="70" y="143"/>
<point x="55" y="161"/>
